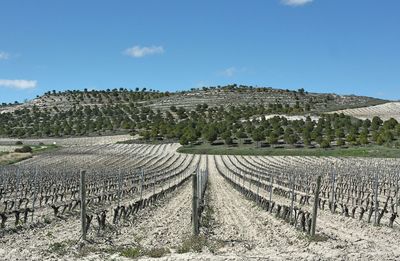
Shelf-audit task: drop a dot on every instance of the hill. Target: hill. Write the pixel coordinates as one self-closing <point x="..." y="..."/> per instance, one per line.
<point x="230" y="95"/>
<point x="228" y="114"/>
<point x="384" y="111"/>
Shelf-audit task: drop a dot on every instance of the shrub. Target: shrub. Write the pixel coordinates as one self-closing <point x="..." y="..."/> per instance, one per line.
<point x="325" y="144"/>
<point x="132" y="252"/>
<point x="24" y="149"/>
<point x="157" y="252"/>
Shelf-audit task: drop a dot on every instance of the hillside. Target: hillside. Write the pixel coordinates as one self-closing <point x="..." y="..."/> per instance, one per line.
<point x="384" y="111"/>
<point x="225" y="114"/>
<point x="213" y="96"/>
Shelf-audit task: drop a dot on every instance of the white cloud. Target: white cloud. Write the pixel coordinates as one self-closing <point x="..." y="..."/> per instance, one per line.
<point x="138" y="51"/>
<point x="4" y="55"/>
<point x="229" y="72"/>
<point x="232" y="71"/>
<point x="296" y="2"/>
<point x="18" y="84"/>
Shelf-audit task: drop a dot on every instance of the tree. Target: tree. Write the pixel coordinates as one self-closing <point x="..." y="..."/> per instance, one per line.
<point x="241" y="134"/>
<point x="258" y="136"/>
<point x="184" y="140"/>
<point x="273" y="138"/>
<point x="226" y="136"/>
<point x="376" y="123"/>
<point x="363" y="139"/>
<point x="211" y="134"/>
<point x="228" y="141"/>
<point x="325" y="144"/>
<point x="340" y="142"/>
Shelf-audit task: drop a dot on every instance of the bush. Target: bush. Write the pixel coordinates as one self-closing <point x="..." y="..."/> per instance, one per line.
<point x="157" y="252"/>
<point x="24" y="149"/>
<point x="340" y="142"/>
<point x="132" y="252"/>
<point x="325" y="144"/>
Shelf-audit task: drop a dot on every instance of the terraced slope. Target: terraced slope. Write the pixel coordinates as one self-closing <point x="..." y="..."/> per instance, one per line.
<point x="225" y="95"/>
<point x="384" y="111"/>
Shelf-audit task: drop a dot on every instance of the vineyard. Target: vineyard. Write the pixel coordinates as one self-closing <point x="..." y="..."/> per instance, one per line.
<point x="384" y="111"/>
<point x="150" y="201"/>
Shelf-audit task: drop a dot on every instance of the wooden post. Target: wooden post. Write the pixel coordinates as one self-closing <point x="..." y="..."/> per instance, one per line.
<point x="397" y="194"/>
<point x="376" y="199"/>
<point x="315" y="208"/>
<point x="333" y="190"/>
<point x="250" y="179"/>
<point x="154" y="184"/>
<point x="271" y="189"/>
<point x="83" y="203"/>
<point x="17" y="186"/>
<point x="119" y="186"/>
<point x="35" y="183"/>
<point x="195" y="216"/>
<point x="141" y="183"/>
<point x="292" y="203"/>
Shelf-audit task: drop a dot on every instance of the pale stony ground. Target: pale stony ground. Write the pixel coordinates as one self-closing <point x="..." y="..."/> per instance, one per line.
<point x="13" y="156"/>
<point x="80" y="141"/>
<point x="239" y="230"/>
<point x="384" y="111"/>
<point x="8" y="148"/>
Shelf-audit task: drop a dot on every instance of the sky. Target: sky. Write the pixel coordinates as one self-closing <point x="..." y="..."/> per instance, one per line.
<point x="334" y="46"/>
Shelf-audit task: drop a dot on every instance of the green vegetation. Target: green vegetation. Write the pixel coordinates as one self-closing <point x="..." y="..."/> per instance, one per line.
<point x="86" y="113"/>
<point x="128" y="111"/>
<point x="60" y="248"/>
<point x="137" y="251"/>
<point x="131" y="252"/>
<point x="157" y="252"/>
<point x="366" y="151"/>
<point x="193" y="244"/>
<point x="23" y="153"/>
<point x="24" y="149"/>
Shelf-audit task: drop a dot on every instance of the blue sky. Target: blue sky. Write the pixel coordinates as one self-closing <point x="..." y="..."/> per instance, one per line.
<point x="342" y="46"/>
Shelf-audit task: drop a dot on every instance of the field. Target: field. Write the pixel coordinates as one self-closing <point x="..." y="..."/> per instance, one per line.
<point x="251" y="149"/>
<point x="139" y="205"/>
<point x="384" y="111"/>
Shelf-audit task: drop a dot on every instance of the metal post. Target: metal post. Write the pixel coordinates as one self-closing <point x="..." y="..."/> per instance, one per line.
<point x="83" y="203"/>
<point x="315" y="209"/>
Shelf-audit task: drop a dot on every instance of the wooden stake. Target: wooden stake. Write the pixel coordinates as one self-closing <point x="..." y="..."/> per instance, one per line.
<point x="83" y="203"/>
<point x="376" y="199"/>
<point x="315" y="208"/>
<point x="292" y="203"/>
<point x="333" y="190"/>
<point x="195" y="215"/>
<point x="271" y="189"/>
<point x="141" y="184"/>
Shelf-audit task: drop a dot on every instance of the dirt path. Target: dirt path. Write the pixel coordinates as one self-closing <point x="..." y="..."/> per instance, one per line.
<point x="168" y="225"/>
<point x="246" y="230"/>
